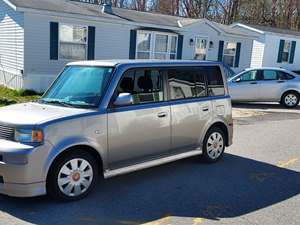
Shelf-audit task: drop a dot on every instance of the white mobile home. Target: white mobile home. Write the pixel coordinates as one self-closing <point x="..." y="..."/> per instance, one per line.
<point x="273" y="47"/>
<point x="38" y="37"/>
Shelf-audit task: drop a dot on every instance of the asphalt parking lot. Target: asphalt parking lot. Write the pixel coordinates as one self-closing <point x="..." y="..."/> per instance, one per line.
<point x="257" y="182"/>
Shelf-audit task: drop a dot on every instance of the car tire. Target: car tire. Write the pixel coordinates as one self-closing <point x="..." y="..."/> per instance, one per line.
<point x="213" y="145"/>
<point x="290" y="99"/>
<point x="72" y="176"/>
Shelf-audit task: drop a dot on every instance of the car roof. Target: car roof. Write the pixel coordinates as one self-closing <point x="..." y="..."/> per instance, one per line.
<point x="266" y="68"/>
<point x="113" y="63"/>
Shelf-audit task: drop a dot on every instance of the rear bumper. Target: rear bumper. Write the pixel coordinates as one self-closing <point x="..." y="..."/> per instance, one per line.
<point x="22" y="170"/>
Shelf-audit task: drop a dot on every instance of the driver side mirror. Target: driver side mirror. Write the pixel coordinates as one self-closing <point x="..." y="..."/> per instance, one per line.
<point x="238" y="80"/>
<point x="124" y="99"/>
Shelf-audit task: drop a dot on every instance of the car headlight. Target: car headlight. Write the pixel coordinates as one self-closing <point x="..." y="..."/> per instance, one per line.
<point x="29" y="136"/>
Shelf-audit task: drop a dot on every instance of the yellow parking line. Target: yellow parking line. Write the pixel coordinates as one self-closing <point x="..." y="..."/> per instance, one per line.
<point x="161" y="221"/>
<point x="94" y="220"/>
<point x="284" y="164"/>
<point x="198" y="221"/>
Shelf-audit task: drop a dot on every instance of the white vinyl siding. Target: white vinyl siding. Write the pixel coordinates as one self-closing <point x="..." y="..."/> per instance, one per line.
<point x="112" y="42"/>
<point x="11" y="46"/>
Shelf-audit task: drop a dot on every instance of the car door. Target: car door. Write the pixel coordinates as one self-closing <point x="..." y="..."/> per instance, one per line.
<point x="189" y="108"/>
<point x="273" y="84"/>
<point x="245" y="87"/>
<point x="141" y="130"/>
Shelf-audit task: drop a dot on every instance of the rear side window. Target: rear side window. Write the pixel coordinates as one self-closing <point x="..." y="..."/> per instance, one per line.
<point x="186" y="82"/>
<point x="284" y="76"/>
<point x="270" y="75"/>
<point x="146" y="85"/>
<point x="215" y="83"/>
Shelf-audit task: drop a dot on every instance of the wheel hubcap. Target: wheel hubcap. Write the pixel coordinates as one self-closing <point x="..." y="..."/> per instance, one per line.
<point x="290" y="100"/>
<point x="75" y="177"/>
<point x="215" y="145"/>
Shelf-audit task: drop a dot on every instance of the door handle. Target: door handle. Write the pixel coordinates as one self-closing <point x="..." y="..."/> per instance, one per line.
<point x="253" y="82"/>
<point x="162" y="115"/>
<point x="206" y="109"/>
<point x="280" y="81"/>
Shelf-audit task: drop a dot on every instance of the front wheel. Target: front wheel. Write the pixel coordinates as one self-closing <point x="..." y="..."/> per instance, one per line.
<point x="213" y="145"/>
<point x="290" y="99"/>
<point x="72" y="176"/>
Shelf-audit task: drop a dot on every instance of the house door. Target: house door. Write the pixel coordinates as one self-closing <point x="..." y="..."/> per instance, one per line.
<point x="201" y="45"/>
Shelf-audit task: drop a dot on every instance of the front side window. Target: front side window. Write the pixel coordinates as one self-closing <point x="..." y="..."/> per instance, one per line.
<point x="145" y="85"/>
<point x="155" y="45"/>
<point x="186" y="83"/>
<point x="79" y="86"/>
<point x="72" y="42"/>
<point x="229" y="53"/>
<point x="248" y="76"/>
<point x="286" y="51"/>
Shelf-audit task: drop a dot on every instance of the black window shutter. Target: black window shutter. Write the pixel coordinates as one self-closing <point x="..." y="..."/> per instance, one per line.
<point x="91" y="43"/>
<point x="220" y="53"/>
<point x="237" y="55"/>
<point x="281" y="47"/>
<point x="180" y="46"/>
<point x="293" y="49"/>
<point x="132" y="45"/>
<point x="53" y="41"/>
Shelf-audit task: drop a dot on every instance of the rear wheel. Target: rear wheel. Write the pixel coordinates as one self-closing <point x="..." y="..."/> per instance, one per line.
<point x="290" y="99"/>
<point x="72" y="176"/>
<point x="213" y="145"/>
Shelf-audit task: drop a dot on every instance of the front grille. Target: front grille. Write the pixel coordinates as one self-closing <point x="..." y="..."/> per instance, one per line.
<point x="7" y="133"/>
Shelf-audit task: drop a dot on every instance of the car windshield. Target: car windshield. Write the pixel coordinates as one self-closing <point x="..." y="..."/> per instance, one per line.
<point x="79" y="86"/>
<point x="228" y="72"/>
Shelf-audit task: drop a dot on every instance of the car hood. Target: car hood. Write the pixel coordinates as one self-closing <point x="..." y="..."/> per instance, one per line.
<point x="36" y="114"/>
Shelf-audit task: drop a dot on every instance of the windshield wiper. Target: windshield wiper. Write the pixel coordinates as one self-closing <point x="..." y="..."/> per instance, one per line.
<point x="57" y="102"/>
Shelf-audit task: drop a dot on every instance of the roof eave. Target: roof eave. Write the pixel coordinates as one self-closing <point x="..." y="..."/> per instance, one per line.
<point x="10" y="4"/>
<point x="248" y="28"/>
<point x="99" y="19"/>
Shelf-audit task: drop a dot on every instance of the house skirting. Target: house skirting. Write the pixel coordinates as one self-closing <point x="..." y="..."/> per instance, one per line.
<point x="11" y="80"/>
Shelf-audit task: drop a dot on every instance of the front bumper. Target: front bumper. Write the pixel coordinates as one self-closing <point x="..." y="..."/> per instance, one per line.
<point x="22" y="169"/>
<point x="23" y="190"/>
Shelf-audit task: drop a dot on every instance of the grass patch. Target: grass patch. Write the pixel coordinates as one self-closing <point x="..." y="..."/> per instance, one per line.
<point x="10" y="96"/>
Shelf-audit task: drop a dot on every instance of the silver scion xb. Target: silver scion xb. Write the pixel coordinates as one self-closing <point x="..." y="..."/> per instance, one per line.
<point x="110" y="118"/>
<point x="266" y="85"/>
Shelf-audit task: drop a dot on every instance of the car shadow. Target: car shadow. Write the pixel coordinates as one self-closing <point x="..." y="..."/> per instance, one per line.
<point x="263" y="106"/>
<point x="233" y="187"/>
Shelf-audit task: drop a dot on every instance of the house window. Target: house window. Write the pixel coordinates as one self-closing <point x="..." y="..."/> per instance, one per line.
<point x="155" y="45"/>
<point x="200" y="48"/>
<point x="286" y="51"/>
<point x="144" y="45"/>
<point x="72" y="42"/>
<point x="229" y="53"/>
